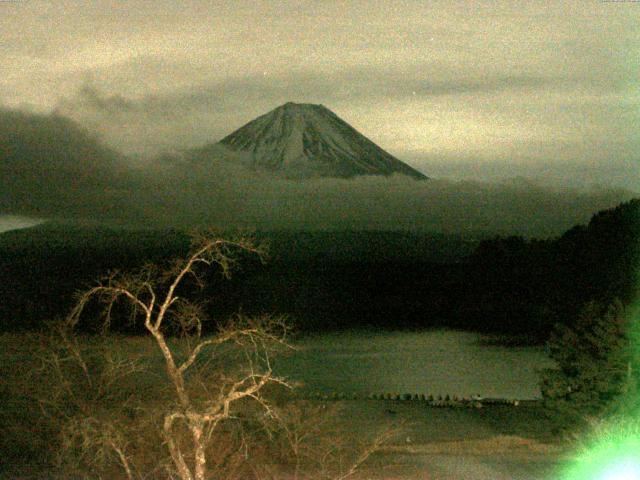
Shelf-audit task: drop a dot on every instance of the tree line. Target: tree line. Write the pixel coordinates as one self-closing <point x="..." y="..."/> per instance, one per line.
<point x="510" y="285"/>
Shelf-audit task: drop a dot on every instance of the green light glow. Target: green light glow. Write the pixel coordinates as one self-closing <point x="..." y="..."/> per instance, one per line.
<point x="614" y="458"/>
<point x="613" y="450"/>
<point x="626" y="470"/>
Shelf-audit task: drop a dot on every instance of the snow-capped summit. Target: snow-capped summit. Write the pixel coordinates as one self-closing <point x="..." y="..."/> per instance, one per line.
<point x="302" y="139"/>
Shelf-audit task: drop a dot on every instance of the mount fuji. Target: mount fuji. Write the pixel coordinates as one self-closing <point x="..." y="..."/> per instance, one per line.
<point x="301" y="140"/>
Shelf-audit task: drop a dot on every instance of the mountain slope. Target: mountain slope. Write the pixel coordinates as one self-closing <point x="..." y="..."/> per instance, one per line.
<point x="50" y="165"/>
<point x="301" y="140"/>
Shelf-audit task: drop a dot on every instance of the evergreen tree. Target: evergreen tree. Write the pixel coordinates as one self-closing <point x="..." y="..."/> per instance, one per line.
<point x="597" y="372"/>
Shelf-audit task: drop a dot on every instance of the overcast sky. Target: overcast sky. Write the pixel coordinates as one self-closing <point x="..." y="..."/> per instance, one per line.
<point x="458" y="89"/>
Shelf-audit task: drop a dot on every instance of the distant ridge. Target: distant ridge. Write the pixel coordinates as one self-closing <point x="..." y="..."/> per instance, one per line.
<point x="303" y="139"/>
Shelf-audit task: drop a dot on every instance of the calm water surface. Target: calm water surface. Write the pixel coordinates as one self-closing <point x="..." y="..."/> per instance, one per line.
<point x="433" y="362"/>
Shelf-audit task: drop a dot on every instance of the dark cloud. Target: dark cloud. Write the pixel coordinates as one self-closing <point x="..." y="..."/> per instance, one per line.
<point x="223" y="194"/>
<point x="203" y="114"/>
<point x="561" y="140"/>
<point x="438" y="78"/>
<point x="51" y="166"/>
<point x="97" y="100"/>
<point x="353" y="84"/>
<point x="495" y="84"/>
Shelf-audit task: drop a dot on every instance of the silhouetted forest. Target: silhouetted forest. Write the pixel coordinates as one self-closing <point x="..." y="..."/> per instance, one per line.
<point x="333" y="280"/>
<point x="519" y="284"/>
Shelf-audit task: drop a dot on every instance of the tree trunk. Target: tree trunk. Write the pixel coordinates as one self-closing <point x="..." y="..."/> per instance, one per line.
<point x="200" y="458"/>
<point x="174" y="450"/>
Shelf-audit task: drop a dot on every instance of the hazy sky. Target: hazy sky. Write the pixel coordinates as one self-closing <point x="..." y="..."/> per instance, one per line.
<point x="465" y="89"/>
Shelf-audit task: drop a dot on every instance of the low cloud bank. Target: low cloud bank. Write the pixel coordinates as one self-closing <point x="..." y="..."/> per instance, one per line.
<point x="51" y="168"/>
<point x="227" y="196"/>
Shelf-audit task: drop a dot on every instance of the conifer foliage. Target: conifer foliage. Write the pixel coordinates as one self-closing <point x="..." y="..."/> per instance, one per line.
<point x="597" y="370"/>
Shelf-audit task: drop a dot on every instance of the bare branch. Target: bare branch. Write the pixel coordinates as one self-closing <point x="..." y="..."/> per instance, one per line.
<point x="382" y="437"/>
<point x="203" y="394"/>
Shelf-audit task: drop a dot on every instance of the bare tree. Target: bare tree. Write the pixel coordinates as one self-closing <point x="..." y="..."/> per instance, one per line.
<point x="154" y="296"/>
<point x="203" y="385"/>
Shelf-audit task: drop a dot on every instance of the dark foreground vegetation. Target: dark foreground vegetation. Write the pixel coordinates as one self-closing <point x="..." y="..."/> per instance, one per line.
<point x="172" y="404"/>
<point x="333" y="280"/>
<point x="188" y="398"/>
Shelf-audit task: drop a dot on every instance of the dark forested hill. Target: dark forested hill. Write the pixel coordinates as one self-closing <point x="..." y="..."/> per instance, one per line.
<point x="42" y="267"/>
<point x="326" y="280"/>
<point x="313" y="276"/>
<point x="517" y="284"/>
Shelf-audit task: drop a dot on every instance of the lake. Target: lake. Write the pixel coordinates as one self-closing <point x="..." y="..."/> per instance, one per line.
<point x="431" y="362"/>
